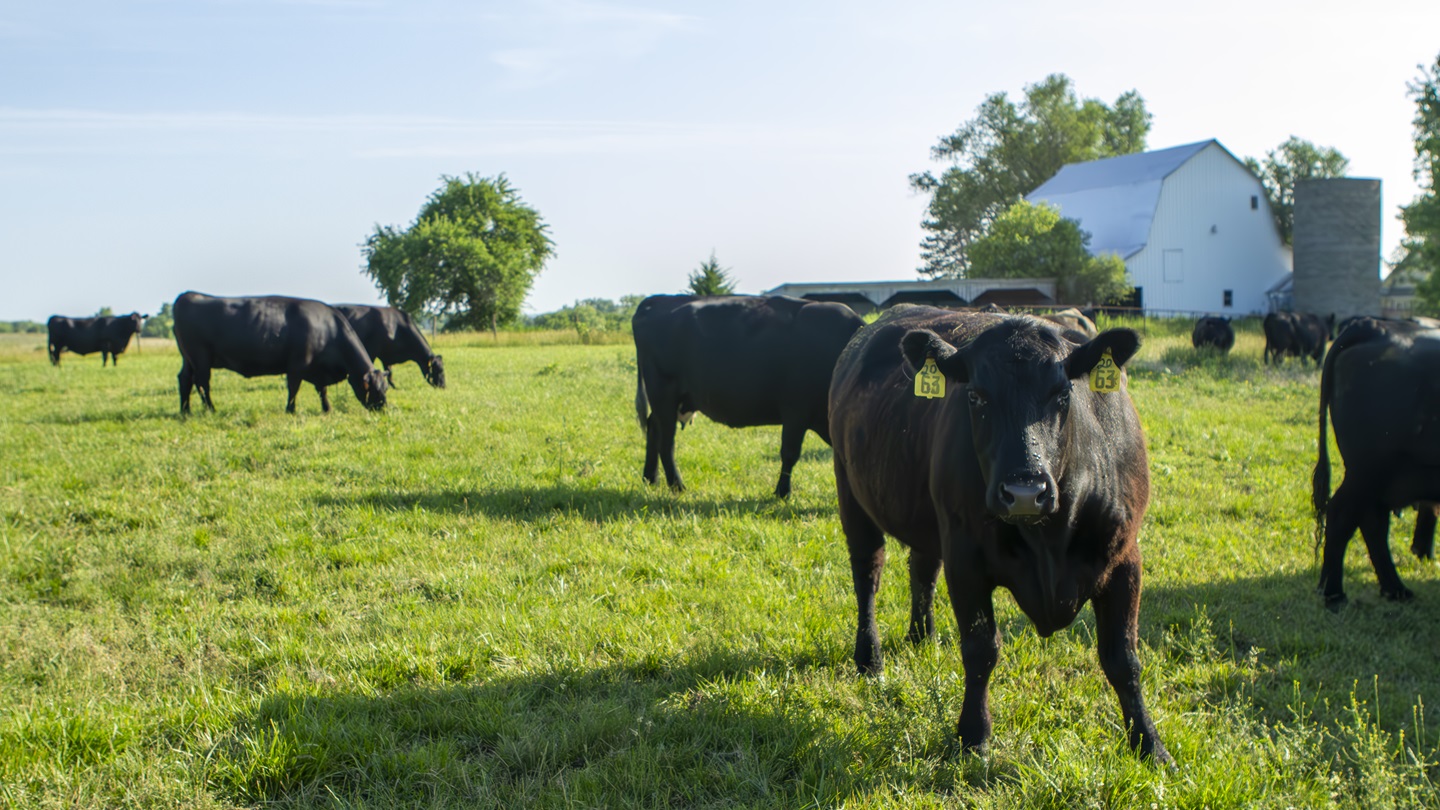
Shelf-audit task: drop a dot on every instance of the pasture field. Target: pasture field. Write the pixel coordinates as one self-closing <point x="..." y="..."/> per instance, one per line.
<point x="472" y="600"/>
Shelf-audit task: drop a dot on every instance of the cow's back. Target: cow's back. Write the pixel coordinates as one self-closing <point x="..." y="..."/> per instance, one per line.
<point x="747" y="361"/>
<point x="260" y="335"/>
<point x="1385" y="398"/>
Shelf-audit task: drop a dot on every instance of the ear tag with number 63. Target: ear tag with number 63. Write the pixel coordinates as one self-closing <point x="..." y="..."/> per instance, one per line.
<point x="929" y="382"/>
<point x="1105" y="377"/>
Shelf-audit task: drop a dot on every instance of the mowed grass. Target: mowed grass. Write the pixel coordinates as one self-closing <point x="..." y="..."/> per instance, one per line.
<point x="472" y="600"/>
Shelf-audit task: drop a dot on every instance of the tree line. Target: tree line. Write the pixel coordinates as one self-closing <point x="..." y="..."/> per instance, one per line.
<point x="472" y="253"/>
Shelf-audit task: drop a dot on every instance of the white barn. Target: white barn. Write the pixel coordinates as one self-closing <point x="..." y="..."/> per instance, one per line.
<point x="1192" y="224"/>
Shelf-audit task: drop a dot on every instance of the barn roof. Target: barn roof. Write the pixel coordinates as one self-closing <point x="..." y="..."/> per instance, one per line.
<point x="1114" y="199"/>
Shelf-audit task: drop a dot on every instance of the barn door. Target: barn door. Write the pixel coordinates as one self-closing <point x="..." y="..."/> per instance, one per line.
<point x="1174" y="266"/>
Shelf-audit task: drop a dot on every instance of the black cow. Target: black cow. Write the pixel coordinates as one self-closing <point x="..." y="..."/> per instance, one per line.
<point x="1074" y="323"/>
<point x="391" y="336"/>
<point x="108" y="334"/>
<point x="1381" y="388"/>
<point x="307" y="341"/>
<point x="740" y="360"/>
<point x="1213" y="331"/>
<point x="1297" y="334"/>
<point x="1017" y="475"/>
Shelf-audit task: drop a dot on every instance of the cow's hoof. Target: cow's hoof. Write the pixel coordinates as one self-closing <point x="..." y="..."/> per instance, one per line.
<point x="782" y="491"/>
<point x="1335" y="602"/>
<point x="1402" y="594"/>
<point x="677" y="487"/>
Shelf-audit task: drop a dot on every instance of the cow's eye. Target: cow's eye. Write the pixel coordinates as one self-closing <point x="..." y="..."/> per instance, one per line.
<point x="976" y="398"/>
<point x="1062" y="397"/>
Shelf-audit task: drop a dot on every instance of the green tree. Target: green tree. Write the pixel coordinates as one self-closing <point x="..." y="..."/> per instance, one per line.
<point x="161" y="324"/>
<point x="1034" y="241"/>
<point x="1422" y="216"/>
<point x="1296" y="159"/>
<point x="104" y="312"/>
<point x="711" y="279"/>
<point x="1009" y="150"/>
<point x="471" y="254"/>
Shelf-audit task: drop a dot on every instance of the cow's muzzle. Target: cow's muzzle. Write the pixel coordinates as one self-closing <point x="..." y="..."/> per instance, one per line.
<point x="1026" y="498"/>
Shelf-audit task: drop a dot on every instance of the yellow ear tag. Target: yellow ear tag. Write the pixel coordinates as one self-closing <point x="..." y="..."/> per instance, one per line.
<point x="1105" y="377"/>
<point x="929" y="382"/>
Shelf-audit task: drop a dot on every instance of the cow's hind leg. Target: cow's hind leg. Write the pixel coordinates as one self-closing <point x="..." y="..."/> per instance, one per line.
<point x="792" y="438"/>
<point x="186" y="380"/>
<point x="924" y="571"/>
<point x="324" y="398"/>
<point x="664" y="420"/>
<point x="652" y="449"/>
<point x="202" y="384"/>
<point x="389" y="379"/>
<point x="867" y="561"/>
<point x="1422" y="545"/>
<point x="1375" y="528"/>
<point x="1117" y="620"/>
<point x="292" y="382"/>
<point x="1341" y="521"/>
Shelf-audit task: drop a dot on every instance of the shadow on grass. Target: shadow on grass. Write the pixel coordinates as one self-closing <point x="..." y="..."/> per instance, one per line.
<point x="638" y="734"/>
<point x="1277" y="644"/>
<point x="106" y="417"/>
<point x="595" y="504"/>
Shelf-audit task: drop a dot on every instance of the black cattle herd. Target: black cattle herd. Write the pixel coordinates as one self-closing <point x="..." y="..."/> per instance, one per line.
<point x="1003" y="449"/>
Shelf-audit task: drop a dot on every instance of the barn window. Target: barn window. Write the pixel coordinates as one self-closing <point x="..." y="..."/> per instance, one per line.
<point x="1229" y="298"/>
<point x="1254" y="203"/>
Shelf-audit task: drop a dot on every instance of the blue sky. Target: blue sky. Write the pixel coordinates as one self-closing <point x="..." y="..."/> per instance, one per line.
<point x="240" y="147"/>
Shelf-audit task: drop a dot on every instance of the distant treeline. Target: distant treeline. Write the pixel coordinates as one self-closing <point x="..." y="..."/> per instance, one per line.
<point x="20" y="327"/>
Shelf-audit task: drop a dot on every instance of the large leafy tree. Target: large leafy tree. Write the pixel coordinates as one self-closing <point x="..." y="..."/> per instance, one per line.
<point x="711" y="279"/>
<point x="1034" y="241"/>
<point x="1422" y="217"/>
<point x="1007" y="151"/>
<point x="1294" y="160"/>
<point x="471" y="254"/>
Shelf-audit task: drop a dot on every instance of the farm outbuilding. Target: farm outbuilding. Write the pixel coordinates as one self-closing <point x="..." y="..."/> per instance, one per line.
<point x="1191" y="222"/>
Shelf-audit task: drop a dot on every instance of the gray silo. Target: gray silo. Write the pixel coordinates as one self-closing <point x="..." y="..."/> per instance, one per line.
<point x="1337" y="246"/>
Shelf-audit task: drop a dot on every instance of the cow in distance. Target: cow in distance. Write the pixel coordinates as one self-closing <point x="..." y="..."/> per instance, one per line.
<point x="305" y="340"/>
<point x="391" y="336"/>
<point x="1013" y="455"/>
<point x="1378" y="388"/>
<point x="742" y="361"/>
<point x="1213" y="331"/>
<point x="108" y="334"/>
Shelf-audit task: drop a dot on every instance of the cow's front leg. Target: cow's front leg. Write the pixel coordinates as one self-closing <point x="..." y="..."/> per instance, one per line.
<point x="324" y="398"/>
<point x="924" y="571"/>
<point x="979" y="651"/>
<point x="867" y="562"/>
<point x="1117" y="620"/>
<point x="292" y="382"/>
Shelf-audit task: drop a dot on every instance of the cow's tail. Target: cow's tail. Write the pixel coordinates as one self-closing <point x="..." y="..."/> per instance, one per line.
<point x="1320" y="479"/>
<point x="642" y="402"/>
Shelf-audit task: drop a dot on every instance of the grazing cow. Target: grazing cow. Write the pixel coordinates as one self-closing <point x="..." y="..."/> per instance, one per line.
<point x="307" y="341"/>
<point x="1378" y="387"/>
<point x="391" y="336"/>
<point x="1015" y="456"/>
<point x="1298" y="334"/>
<point x="740" y="360"/>
<point x="1073" y="324"/>
<point x="108" y="334"/>
<point x="1213" y="331"/>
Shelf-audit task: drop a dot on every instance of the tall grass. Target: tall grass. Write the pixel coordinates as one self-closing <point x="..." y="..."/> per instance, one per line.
<point x="471" y="600"/>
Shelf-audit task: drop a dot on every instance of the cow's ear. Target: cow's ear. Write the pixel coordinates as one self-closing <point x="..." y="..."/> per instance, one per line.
<point x="918" y="344"/>
<point x="1122" y="344"/>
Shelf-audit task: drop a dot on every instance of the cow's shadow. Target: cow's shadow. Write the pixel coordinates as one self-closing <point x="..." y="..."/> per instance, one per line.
<point x="1277" y="627"/>
<point x="497" y="736"/>
<point x="597" y="504"/>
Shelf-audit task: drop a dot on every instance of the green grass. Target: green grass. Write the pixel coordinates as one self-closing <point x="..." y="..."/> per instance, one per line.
<point x="471" y="600"/>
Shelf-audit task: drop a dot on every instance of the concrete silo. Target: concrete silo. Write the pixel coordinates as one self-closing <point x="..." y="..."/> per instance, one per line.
<point x="1337" y="246"/>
